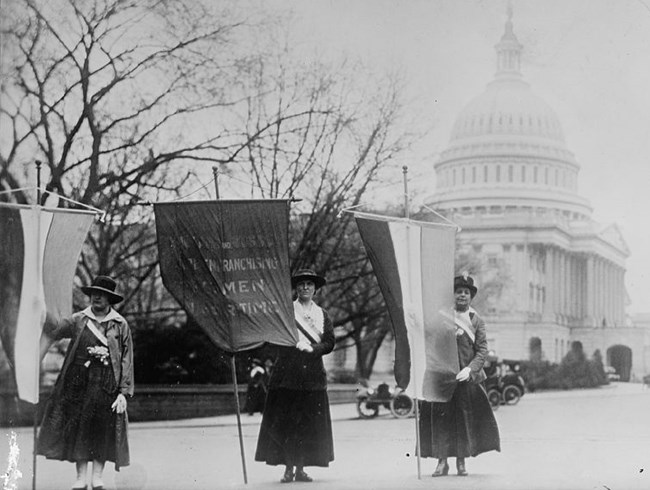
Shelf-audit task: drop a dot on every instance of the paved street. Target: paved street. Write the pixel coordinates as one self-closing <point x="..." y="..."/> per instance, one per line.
<point x="589" y="439"/>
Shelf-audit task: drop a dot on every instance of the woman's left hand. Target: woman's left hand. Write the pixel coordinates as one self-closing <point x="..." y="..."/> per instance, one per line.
<point x="119" y="405"/>
<point x="464" y="374"/>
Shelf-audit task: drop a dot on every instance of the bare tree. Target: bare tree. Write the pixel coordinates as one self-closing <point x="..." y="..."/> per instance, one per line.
<point x="324" y="133"/>
<point x="114" y="97"/>
<point x="126" y="101"/>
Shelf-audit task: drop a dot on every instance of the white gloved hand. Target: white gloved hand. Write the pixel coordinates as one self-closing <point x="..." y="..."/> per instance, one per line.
<point x="463" y="375"/>
<point x="304" y="346"/>
<point x="119" y="405"/>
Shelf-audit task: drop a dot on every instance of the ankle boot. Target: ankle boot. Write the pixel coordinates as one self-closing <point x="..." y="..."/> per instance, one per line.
<point x="442" y="469"/>
<point x="460" y="467"/>
<point x="288" y="475"/>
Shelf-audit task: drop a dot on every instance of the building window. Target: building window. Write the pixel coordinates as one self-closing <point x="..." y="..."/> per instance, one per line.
<point x="453" y="177"/>
<point x="485" y="174"/>
<point x="463" y="176"/>
<point x="498" y="173"/>
<point x="510" y="173"/>
<point x="546" y="176"/>
<point x="473" y="175"/>
<point x="535" y="175"/>
<point x="523" y="173"/>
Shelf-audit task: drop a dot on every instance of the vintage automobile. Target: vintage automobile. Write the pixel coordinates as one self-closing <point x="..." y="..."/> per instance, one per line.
<point x="504" y="384"/>
<point x="370" y="399"/>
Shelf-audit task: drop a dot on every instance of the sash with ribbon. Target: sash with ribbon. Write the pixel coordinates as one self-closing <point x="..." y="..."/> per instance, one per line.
<point x="464" y="323"/>
<point x="96" y="332"/>
<point x="306" y="324"/>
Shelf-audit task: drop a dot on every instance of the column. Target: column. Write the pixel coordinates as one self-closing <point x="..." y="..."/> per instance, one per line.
<point x="589" y="279"/>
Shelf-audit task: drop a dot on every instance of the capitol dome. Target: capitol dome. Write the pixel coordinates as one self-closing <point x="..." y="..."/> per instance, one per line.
<point x="507" y="148"/>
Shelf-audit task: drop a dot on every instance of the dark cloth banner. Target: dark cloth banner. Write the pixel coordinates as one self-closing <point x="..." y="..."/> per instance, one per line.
<point x="39" y="251"/>
<point x="227" y="264"/>
<point x="414" y="265"/>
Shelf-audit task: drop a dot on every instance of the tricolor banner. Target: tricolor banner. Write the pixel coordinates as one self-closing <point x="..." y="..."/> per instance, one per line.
<point x="39" y="251"/>
<point x="414" y="265"/>
<point x="227" y="264"/>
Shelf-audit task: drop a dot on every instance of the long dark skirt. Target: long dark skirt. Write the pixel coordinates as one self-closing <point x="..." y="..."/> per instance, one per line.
<point x="296" y="429"/>
<point x="463" y="427"/>
<point x="78" y="424"/>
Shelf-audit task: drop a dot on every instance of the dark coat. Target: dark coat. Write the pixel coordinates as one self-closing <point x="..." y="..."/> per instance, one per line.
<point x="298" y="370"/>
<point x="120" y="348"/>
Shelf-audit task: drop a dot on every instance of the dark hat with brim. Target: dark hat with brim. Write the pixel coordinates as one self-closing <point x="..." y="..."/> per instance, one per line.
<point x="104" y="285"/>
<point x="465" y="281"/>
<point x="307" y="275"/>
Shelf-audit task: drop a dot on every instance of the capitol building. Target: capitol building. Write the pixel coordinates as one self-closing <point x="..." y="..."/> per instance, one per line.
<point x="510" y="181"/>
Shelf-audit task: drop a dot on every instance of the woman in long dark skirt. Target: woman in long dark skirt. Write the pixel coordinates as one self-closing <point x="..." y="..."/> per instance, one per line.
<point x="465" y="426"/>
<point x="85" y="418"/>
<point x="296" y="428"/>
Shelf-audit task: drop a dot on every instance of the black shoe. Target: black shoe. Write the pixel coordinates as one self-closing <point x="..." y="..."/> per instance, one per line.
<point x="302" y="476"/>
<point x="460" y="468"/>
<point x="287" y="477"/>
<point x="442" y="469"/>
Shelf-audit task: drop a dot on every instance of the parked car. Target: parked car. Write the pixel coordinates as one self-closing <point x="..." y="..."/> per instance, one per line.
<point x="611" y="374"/>
<point x="504" y="384"/>
<point x="370" y="399"/>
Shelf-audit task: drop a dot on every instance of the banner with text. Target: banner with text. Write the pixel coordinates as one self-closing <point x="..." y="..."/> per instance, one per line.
<point x="227" y="264"/>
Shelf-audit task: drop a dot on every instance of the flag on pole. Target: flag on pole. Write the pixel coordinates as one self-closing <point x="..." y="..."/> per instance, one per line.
<point x="227" y="264"/>
<point x="414" y="265"/>
<point x="39" y="250"/>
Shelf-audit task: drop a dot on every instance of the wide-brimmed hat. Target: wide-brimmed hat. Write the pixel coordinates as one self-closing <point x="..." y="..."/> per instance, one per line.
<point x="465" y="281"/>
<point x="307" y="275"/>
<point x="104" y="285"/>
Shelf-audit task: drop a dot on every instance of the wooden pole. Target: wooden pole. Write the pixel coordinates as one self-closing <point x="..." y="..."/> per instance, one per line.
<point x="241" y="437"/>
<point x="215" y="173"/>
<point x="233" y="368"/>
<point x="415" y="381"/>
<point x="38" y="367"/>
<point x="405" y="170"/>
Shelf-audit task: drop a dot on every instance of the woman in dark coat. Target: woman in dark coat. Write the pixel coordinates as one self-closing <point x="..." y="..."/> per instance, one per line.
<point x="465" y="426"/>
<point x="296" y="428"/>
<point x="85" y="417"/>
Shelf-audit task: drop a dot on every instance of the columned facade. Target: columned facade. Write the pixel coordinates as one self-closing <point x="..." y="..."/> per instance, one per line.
<point x="508" y="179"/>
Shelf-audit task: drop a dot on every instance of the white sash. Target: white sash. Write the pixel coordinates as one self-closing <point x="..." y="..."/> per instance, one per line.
<point x="96" y="332"/>
<point x="465" y="324"/>
<point x="309" y="323"/>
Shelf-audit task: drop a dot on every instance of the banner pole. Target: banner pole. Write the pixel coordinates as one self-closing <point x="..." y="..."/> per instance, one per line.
<point x="241" y="437"/>
<point x="38" y="367"/>
<point x="215" y="173"/>
<point x="405" y="170"/>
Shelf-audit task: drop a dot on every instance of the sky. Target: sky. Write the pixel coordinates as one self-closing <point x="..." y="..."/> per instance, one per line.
<point x="588" y="59"/>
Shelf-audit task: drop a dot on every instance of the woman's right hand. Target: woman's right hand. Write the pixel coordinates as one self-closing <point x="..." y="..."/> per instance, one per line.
<point x="304" y="346"/>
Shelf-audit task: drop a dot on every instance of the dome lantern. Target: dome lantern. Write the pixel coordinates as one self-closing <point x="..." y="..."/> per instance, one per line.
<point x="509" y="52"/>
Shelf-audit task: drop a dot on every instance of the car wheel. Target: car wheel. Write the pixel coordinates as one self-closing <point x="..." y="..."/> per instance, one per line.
<point x="511" y="395"/>
<point x="366" y="410"/>
<point x="401" y="406"/>
<point x="495" y="398"/>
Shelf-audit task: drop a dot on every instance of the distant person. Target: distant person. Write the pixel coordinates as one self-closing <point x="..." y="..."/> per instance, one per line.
<point x="296" y="428"/>
<point x="85" y="418"/>
<point x="465" y="426"/>
<point x="256" y="391"/>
